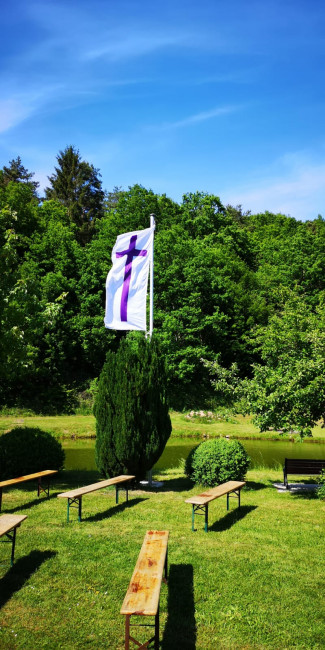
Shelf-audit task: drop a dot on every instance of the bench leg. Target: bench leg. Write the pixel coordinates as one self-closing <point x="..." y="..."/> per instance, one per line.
<point x="202" y="510"/>
<point x="70" y="502"/>
<point x="117" y="488"/>
<point x="13" y="547"/>
<point x="40" y="487"/>
<point x="0" y="498"/>
<point x="127" y="632"/>
<point x="157" y="629"/>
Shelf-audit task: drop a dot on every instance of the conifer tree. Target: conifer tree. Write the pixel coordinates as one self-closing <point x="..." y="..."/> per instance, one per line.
<point x="17" y="173"/>
<point x="131" y="410"/>
<point x="77" y="186"/>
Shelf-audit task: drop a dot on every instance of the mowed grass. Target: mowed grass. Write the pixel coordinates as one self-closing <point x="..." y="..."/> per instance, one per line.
<point x="255" y="580"/>
<point x="84" y="426"/>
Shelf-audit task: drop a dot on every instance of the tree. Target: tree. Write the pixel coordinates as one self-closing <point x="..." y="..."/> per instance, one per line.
<point x="17" y="173"/>
<point x="131" y="410"/>
<point x="77" y="186"/>
<point x="287" y="391"/>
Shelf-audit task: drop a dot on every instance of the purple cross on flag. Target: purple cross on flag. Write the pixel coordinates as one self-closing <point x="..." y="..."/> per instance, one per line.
<point x="127" y="281"/>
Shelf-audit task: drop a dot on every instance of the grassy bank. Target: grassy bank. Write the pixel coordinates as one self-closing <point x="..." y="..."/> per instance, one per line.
<point x="255" y="581"/>
<point x="83" y="426"/>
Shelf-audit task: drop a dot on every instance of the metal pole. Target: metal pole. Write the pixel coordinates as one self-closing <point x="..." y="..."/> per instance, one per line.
<point x="152" y="225"/>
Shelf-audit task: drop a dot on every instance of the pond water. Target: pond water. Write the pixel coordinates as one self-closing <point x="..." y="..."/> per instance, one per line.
<point x="80" y="454"/>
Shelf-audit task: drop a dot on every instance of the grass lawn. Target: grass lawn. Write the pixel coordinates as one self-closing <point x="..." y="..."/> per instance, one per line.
<point x="83" y="426"/>
<point x="256" y="580"/>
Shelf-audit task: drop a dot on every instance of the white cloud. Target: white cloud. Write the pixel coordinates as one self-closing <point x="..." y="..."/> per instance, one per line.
<point x="116" y="48"/>
<point x="17" y="107"/>
<point x="299" y="191"/>
<point x="200" y="117"/>
<point x="12" y="112"/>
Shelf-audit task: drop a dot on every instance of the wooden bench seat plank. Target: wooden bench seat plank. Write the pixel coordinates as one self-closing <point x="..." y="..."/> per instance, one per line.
<point x="28" y="477"/>
<point x="75" y="496"/>
<point x="214" y="493"/>
<point x="200" y="502"/>
<point x="8" y="522"/>
<point x="8" y="527"/>
<point x="95" y="486"/>
<point x="142" y="597"/>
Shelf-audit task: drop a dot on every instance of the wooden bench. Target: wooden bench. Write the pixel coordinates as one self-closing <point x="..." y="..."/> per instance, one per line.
<point x="8" y="527"/>
<point x="29" y="477"/>
<point x="308" y="467"/>
<point x="75" y="496"/>
<point x="200" y="503"/>
<point x="143" y="594"/>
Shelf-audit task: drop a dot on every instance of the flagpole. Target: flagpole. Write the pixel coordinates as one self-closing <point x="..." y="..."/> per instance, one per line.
<point x="152" y="225"/>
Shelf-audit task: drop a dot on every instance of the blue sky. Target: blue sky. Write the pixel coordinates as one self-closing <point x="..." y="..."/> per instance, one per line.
<point x="225" y="98"/>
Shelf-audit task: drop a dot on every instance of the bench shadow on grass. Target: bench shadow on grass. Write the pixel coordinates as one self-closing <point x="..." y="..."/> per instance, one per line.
<point x="20" y="572"/>
<point x="180" y="628"/>
<point x="231" y="518"/>
<point x="27" y="506"/>
<point x="114" y="510"/>
<point x="305" y="494"/>
<point x="254" y="486"/>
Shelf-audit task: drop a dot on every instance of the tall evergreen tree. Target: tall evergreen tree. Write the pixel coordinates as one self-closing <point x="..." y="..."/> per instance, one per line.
<point x="132" y="419"/>
<point x="17" y="173"/>
<point x="77" y="186"/>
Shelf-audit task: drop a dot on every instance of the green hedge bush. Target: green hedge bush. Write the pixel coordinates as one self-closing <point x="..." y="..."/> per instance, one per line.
<point x="25" y="450"/>
<point x="216" y="461"/>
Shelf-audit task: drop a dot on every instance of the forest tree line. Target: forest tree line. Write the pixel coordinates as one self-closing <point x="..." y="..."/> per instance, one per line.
<point x="239" y="310"/>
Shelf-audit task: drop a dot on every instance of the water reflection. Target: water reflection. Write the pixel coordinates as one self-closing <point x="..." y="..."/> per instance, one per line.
<point x="80" y="454"/>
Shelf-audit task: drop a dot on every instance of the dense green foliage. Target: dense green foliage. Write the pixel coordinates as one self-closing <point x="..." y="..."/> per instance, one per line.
<point x="131" y="409"/>
<point x="217" y="461"/>
<point x="288" y="391"/>
<point x="321" y="488"/>
<point x="225" y="283"/>
<point x="25" y="450"/>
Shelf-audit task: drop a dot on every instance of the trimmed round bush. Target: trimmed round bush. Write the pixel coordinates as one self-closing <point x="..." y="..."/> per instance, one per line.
<point x="25" y="450"/>
<point x="217" y="461"/>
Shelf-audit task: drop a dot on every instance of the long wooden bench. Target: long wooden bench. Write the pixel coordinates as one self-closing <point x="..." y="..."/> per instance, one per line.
<point x="200" y="503"/>
<point x="8" y="527"/>
<point x="29" y="477"/>
<point x="302" y="466"/>
<point x="143" y="594"/>
<point x="75" y="496"/>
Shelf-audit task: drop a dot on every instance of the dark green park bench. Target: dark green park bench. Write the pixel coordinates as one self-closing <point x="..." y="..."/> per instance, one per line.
<point x="302" y="466"/>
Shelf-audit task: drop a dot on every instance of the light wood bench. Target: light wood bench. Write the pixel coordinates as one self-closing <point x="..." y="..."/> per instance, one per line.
<point x="8" y="527"/>
<point x="29" y="477"/>
<point x="303" y="466"/>
<point x="143" y="594"/>
<point x="200" y="503"/>
<point x="75" y="496"/>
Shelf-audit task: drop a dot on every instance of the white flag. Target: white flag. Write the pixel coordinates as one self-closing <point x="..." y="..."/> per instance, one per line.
<point x="127" y="281"/>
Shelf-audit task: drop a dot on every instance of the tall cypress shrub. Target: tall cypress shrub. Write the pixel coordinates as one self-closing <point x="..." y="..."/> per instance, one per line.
<point x="131" y="409"/>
